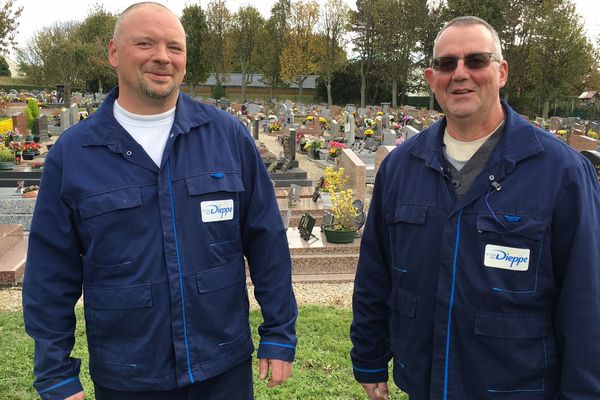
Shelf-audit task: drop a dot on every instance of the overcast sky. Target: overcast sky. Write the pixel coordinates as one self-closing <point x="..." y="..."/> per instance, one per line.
<point x="40" y="14"/>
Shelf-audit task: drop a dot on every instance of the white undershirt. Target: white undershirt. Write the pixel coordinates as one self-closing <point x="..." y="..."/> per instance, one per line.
<point x="150" y="131"/>
<point x="463" y="151"/>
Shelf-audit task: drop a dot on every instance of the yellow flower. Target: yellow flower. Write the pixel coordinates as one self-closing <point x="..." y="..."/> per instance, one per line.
<point x="6" y="125"/>
<point x="369" y="132"/>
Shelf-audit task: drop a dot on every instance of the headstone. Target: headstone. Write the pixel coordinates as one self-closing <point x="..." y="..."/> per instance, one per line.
<point x="20" y="122"/>
<point x="362" y="112"/>
<point x="380" y="154"/>
<point x="356" y="171"/>
<point x="328" y="219"/>
<point x="595" y="126"/>
<point x="40" y="125"/>
<point x="286" y="215"/>
<point x="292" y="139"/>
<point x="350" y="129"/>
<point x="73" y="114"/>
<point x="65" y="120"/>
<point x="255" y="127"/>
<point x="272" y="166"/>
<point x="287" y="147"/>
<point x="417" y="124"/>
<point x="350" y="108"/>
<point x="334" y="128"/>
<point x="581" y="142"/>
<point x="409" y="131"/>
<point x="335" y="111"/>
<point x="555" y="123"/>
<point x="252" y="108"/>
<point x="295" y="194"/>
<point x="389" y="137"/>
<point x="385" y="107"/>
<point x="306" y="225"/>
<point x="371" y="143"/>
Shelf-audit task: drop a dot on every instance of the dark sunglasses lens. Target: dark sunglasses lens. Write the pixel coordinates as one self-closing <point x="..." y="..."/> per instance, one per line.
<point x="478" y="61"/>
<point x="445" y="64"/>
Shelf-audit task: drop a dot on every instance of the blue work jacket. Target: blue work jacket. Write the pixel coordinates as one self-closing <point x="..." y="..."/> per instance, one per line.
<point x="159" y="253"/>
<point x="495" y="296"/>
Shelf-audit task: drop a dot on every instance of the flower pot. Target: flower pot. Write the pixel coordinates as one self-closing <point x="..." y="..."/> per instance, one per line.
<point x="341" y="236"/>
<point x="6" y="165"/>
<point x="315" y="154"/>
<point x="28" y="155"/>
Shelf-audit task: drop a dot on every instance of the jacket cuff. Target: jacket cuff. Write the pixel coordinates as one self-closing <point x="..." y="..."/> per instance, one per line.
<point x="61" y="389"/>
<point x="276" y="350"/>
<point x="366" y="375"/>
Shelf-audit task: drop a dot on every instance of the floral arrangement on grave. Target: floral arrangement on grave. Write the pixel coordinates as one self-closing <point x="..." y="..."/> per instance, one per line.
<point x="313" y="144"/>
<point x="309" y="118"/>
<point x="323" y="122"/>
<point x="7" y="156"/>
<point x="343" y="211"/>
<point x="369" y="132"/>
<point x="369" y="122"/>
<point x="274" y="126"/>
<point x="562" y="133"/>
<point x="592" y="134"/>
<point x="6" y="126"/>
<point x="335" y="148"/>
<point x="335" y="179"/>
<point x="380" y="113"/>
<point x="37" y="165"/>
<point x="32" y="148"/>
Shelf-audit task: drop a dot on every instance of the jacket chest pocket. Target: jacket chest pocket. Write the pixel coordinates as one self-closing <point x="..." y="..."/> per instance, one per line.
<point x="510" y="251"/>
<point x="213" y="201"/>
<point x="407" y="236"/>
<point x="110" y="220"/>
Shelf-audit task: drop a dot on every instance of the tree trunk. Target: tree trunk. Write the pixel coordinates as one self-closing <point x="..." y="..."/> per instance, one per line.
<point x="67" y="95"/>
<point x="243" y="88"/>
<point x="431" y="99"/>
<point x="545" y="111"/>
<point x="328" y="85"/>
<point x="363" y="85"/>
<point x="394" y="94"/>
<point x="100" y="85"/>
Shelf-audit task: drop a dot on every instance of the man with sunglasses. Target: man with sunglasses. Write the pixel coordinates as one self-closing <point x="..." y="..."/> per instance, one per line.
<point x="478" y="272"/>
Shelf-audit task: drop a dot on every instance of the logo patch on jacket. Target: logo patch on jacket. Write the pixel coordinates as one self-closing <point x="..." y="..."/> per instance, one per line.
<point x="216" y="210"/>
<point x="506" y="257"/>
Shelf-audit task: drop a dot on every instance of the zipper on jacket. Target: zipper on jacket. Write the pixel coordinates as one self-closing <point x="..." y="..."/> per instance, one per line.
<point x="187" y="348"/>
<point x="448" y="325"/>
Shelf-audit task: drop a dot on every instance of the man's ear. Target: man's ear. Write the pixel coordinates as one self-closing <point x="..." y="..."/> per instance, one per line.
<point x="503" y="73"/>
<point x="429" y="77"/>
<point x="112" y="54"/>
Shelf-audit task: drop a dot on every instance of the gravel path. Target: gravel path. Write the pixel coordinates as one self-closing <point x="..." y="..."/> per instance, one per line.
<point x="337" y="295"/>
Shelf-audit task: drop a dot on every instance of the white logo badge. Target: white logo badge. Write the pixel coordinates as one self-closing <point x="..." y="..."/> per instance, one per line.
<point x="506" y="257"/>
<point x="218" y="210"/>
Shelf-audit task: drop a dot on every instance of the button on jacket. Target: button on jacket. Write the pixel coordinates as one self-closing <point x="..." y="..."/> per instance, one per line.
<point x="495" y="296"/>
<point x="159" y="253"/>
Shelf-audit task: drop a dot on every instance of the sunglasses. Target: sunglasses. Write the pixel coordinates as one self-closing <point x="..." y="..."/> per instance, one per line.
<point x="472" y="61"/>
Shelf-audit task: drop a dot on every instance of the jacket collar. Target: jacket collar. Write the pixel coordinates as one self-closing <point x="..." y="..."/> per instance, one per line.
<point x="107" y="131"/>
<point x="518" y="142"/>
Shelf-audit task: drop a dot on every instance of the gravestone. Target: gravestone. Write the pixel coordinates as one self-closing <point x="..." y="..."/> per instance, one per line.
<point x="350" y="129"/>
<point x="380" y="154"/>
<point x="40" y="126"/>
<point x="306" y="225"/>
<point x="371" y="143"/>
<point x="286" y="215"/>
<point x="595" y="126"/>
<point x="555" y="123"/>
<point x="73" y="114"/>
<point x="255" y="127"/>
<point x="294" y="196"/>
<point x="594" y="157"/>
<point x="327" y="219"/>
<point x="356" y="171"/>
<point x="417" y="124"/>
<point x="252" y="108"/>
<point x="334" y="128"/>
<point x="65" y="120"/>
<point x="409" y="131"/>
<point x="335" y="111"/>
<point x="362" y="112"/>
<point x="389" y="137"/>
<point x="325" y="113"/>
<point x="385" y="107"/>
<point x="20" y="122"/>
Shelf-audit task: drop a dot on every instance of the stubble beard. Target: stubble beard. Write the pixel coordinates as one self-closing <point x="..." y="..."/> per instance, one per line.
<point x="152" y="93"/>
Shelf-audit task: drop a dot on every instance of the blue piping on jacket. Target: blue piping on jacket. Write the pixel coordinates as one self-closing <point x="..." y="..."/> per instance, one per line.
<point x="63" y="383"/>
<point x="187" y="349"/>
<point x="446" y="366"/>
<point x="368" y="370"/>
<point x="287" y="346"/>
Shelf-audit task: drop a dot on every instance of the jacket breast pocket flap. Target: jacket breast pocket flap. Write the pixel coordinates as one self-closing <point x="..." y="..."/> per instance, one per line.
<point x="406" y="213"/>
<point x="220" y="277"/>
<point x="111" y="201"/>
<point x="528" y="227"/>
<point x="403" y="302"/>
<point x="221" y="182"/>
<point x="118" y="299"/>
<point x="510" y="326"/>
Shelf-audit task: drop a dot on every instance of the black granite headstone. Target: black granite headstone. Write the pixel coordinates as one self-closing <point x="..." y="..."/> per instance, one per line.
<point x="306" y="225"/>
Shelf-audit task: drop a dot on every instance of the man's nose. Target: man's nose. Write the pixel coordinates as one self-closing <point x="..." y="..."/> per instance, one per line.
<point x="161" y="53"/>
<point x="461" y="72"/>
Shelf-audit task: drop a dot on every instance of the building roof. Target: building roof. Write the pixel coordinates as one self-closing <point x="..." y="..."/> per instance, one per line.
<point x="587" y="95"/>
<point x="235" y="80"/>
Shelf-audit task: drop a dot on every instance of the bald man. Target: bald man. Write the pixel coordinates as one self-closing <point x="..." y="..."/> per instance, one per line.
<point x="149" y="207"/>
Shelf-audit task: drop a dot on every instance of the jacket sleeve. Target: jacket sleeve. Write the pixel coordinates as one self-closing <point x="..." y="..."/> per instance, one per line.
<point x="51" y="287"/>
<point x="576" y="261"/>
<point x="369" y="330"/>
<point x="266" y="249"/>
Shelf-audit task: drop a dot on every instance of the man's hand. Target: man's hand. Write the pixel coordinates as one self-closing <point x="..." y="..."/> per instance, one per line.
<point x="376" y="391"/>
<point x="280" y="370"/>
<point x="76" y="396"/>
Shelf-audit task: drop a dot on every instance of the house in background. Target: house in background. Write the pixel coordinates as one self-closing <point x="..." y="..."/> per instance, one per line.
<point x="256" y="88"/>
<point x="588" y="97"/>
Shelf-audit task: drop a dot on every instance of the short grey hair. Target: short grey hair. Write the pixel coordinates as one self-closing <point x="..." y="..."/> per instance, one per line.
<point x="132" y="7"/>
<point x="471" y="20"/>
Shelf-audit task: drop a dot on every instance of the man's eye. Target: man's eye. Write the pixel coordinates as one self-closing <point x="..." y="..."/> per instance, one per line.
<point x="144" y="45"/>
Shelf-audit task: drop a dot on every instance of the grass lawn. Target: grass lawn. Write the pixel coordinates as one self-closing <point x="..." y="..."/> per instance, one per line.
<point x="321" y="371"/>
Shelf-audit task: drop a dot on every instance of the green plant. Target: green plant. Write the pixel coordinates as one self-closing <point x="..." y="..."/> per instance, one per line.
<point x="32" y="111"/>
<point x="6" y="155"/>
<point x="335" y="179"/>
<point x="343" y="210"/>
<point x="218" y="91"/>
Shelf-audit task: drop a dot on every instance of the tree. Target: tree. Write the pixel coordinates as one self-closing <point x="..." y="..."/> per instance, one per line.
<point x="54" y="55"/>
<point x="364" y="29"/>
<point x="219" y="43"/>
<point x="298" y="58"/>
<point x="96" y="31"/>
<point x="4" y="69"/>
<point x="335" y="21"/>
<point x="8" y="25"/>
<point x="275" y="34"/>
<point x="248" y="27"/>
<point x="561" y="53"/>
<point x="198" y="66"/>
<point x="428" y="32"/>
